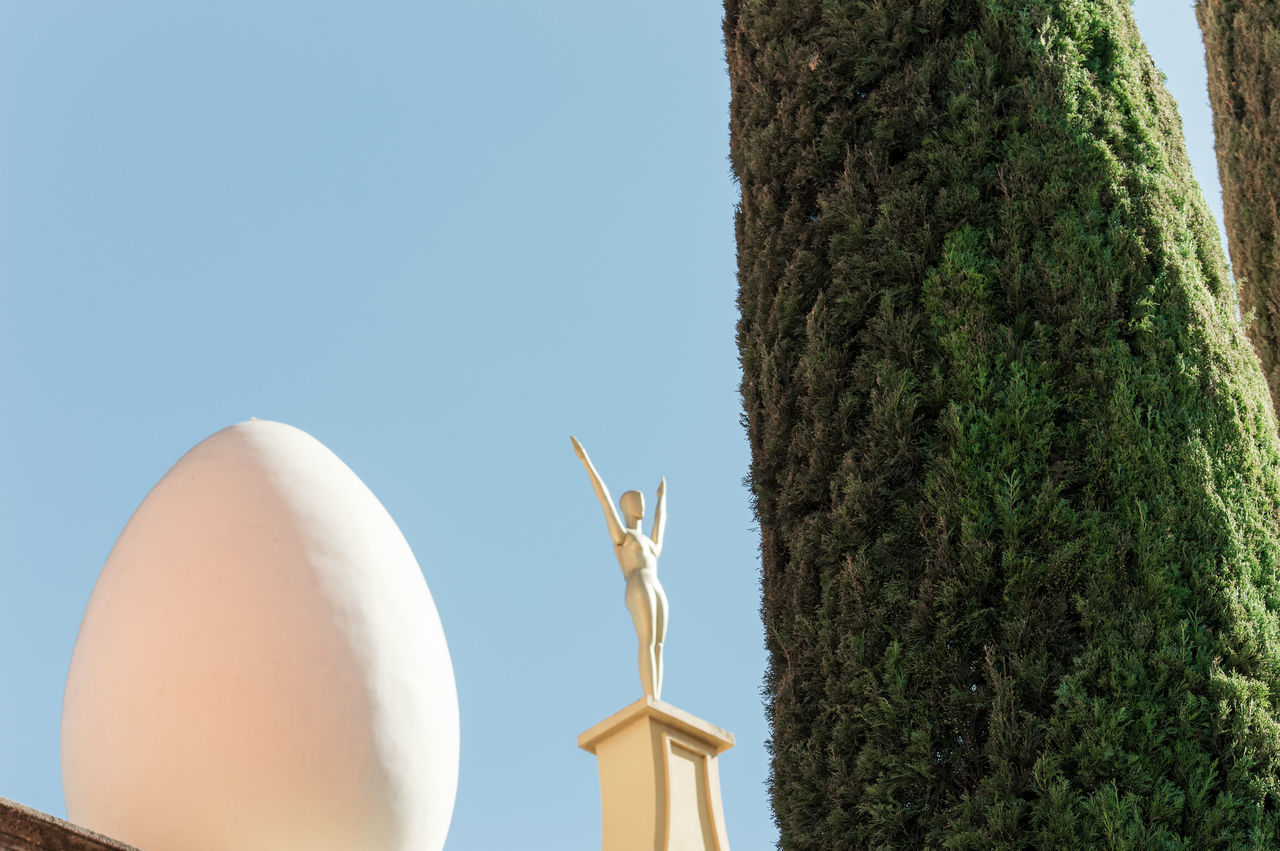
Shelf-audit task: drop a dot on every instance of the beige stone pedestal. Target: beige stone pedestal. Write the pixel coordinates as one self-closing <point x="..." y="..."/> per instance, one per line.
<point x="659" y="781"/>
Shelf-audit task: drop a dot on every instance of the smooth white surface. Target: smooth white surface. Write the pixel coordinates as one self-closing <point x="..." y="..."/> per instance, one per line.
<point x="261" y="665"/>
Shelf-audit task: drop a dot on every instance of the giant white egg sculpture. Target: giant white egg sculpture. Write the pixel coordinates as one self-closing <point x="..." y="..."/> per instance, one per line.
<point x="261" y="665"/>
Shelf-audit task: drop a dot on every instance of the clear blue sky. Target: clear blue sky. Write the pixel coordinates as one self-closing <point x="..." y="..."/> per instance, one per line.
<point x="438" y="237"/>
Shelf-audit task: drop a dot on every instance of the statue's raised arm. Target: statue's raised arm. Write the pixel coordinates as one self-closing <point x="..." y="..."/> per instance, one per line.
<point x="602" y="493"/>
<point x="660" y="516"/>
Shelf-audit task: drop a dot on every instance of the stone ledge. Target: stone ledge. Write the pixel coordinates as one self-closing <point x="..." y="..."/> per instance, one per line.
<point x="719" y="740"/>
<point x="25" y="829"/>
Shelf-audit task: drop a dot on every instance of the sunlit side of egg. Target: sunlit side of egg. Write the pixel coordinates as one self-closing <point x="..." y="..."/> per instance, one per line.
<point x="261" y="665"/>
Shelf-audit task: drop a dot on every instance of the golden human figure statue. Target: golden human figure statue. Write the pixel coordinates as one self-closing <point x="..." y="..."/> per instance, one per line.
<point x="637" y="555"/>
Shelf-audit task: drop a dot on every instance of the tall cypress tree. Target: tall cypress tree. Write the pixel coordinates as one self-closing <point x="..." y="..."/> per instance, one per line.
<point x="1242" y="51"/>
<point x="1016" y="476"/>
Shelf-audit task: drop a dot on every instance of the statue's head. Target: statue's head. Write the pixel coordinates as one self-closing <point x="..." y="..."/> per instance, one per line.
<point x="632" y="503"/>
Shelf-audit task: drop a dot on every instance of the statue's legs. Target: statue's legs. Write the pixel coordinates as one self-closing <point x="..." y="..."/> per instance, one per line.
<point x="648" y="606"/>
<point x="659" y="633"/>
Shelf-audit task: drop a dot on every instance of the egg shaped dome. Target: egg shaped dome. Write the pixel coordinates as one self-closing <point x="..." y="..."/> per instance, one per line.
<point x="261" y="665"/>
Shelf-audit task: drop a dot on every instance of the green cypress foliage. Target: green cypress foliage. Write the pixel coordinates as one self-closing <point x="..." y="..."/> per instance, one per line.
<point x="1016" y="475"/>
<point x="1242" y="50"/>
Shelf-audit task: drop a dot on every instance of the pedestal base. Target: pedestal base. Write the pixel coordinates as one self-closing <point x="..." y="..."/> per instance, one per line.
<point x="659" y="780"/>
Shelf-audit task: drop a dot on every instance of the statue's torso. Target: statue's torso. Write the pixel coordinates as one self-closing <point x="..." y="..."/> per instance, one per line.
<point x="636" y="552"/>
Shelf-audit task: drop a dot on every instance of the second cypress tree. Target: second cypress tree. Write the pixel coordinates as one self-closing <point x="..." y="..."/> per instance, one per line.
<point x="1242" y="51"/>
<point x="1017" y="480"/>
